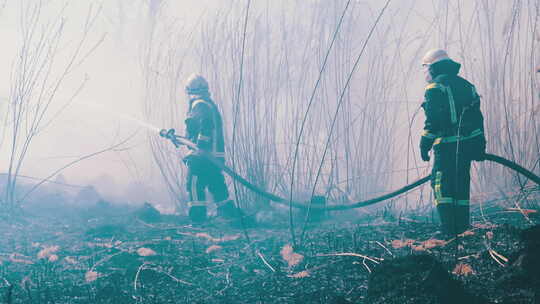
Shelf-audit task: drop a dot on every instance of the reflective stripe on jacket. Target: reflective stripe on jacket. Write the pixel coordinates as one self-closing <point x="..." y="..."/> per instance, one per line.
<point x="204" y="126"/>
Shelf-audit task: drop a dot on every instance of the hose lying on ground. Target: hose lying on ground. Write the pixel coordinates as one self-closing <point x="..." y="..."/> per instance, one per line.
<point x="494" y="158"/>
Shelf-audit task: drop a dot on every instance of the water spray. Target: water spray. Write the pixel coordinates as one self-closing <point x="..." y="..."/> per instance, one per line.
<point x="123" y="116"/>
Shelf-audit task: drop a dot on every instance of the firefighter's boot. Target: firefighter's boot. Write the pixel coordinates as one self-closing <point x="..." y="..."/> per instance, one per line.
<point x="454" y="218"/>
<point x="197" y="213"/>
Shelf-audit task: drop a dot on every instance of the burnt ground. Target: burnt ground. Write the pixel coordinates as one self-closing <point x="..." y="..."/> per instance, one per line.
<point x="108" y="254"/>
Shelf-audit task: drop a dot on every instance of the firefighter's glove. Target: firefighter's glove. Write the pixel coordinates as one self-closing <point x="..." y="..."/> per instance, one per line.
<point x="425" y="145"/>
<point x="480" y="153"/>
<point x="425" y="155"/>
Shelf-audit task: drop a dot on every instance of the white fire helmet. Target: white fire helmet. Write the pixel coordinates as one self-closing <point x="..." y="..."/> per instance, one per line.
<point x="196" y="85"/>
<point x="434" y="56"/>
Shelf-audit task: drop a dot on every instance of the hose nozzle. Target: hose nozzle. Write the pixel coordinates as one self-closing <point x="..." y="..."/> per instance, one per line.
<point x="170" y="135"/>
<point x="167" y="133"/>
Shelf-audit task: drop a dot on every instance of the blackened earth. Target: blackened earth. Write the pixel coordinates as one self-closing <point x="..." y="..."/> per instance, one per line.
<point x="110" y="254"/>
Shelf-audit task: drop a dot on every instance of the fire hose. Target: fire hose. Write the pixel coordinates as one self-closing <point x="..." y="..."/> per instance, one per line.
<point x="179" y="141"/>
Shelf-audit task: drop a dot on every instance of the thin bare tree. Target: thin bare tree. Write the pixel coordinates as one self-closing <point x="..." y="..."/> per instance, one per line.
<point x="45" y="60"/>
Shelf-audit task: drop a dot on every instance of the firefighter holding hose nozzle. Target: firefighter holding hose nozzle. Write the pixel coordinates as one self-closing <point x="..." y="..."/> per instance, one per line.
<point x="204" y="127"/>
<point x="454" y="128"/>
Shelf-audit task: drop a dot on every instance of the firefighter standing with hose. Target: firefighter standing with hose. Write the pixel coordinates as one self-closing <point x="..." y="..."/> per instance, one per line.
<point x="454" y="128"/>
<point x="204" y="127"/>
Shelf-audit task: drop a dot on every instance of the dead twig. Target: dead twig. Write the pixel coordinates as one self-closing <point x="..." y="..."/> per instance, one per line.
<point x="365" y="265"/>
<point x="372" y="259"/>
<point x="498" y="257"/>
<point x="177" y="280"/>
<point x="137" y="275"/>
<point x="475" y="255"/>
<point x="105" y="259"/>
<point x="384" y="247"/>
<point x="265" y="262"/>
<point x="495" y="255"/>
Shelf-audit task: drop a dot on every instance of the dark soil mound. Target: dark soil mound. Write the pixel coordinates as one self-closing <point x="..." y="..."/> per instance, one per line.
<point x="529" y="257"/>
<point x="523" y="277"/>
<point x="147" y="213"/>
<point x="416" y="279"/>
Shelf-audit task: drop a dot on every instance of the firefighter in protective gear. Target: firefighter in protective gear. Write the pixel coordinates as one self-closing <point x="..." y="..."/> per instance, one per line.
<point x="454" y="128"/>
<point x="204" y="127"/>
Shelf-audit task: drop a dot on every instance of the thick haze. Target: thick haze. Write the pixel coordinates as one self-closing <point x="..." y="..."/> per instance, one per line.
<point x="113" y="90"/>
<point x="115" y="87"/>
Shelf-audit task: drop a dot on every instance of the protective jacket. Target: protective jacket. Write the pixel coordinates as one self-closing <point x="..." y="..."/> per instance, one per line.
<point x="204" y="126"/>
<point x="452" y="108"/>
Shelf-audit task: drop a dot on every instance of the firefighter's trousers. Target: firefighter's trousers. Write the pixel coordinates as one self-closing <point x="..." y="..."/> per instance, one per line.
<point x="451" y="181"/>
<point x="202" y="175"/>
